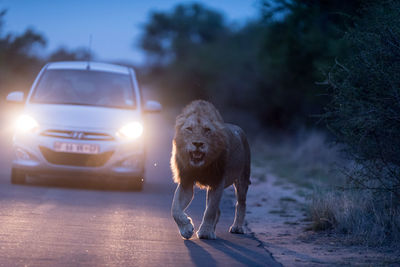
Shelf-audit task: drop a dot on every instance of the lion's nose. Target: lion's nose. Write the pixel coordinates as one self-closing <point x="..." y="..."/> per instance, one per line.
<point x="198" y="144"/>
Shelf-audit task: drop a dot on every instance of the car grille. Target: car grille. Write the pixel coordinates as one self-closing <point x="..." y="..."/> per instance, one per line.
<point x="80" y="135"/>
<point x="75" y="159"/>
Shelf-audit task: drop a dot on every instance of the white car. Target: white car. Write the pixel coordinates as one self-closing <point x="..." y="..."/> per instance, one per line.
<point x="81" y="117"/>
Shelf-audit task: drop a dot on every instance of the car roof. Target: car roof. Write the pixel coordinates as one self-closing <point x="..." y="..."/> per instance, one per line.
<point x="83" y="65"/>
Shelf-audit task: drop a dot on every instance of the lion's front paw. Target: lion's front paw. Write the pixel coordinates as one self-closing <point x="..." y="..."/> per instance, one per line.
<point x="187" y="230"/>
<point x="234" y="229"/>
<point x="206" y="233"/>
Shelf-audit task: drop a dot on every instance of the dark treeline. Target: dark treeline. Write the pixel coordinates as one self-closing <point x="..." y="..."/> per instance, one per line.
<point x="19" y="62"/>
<point x="268" y="68"/>
<point x="18" y="65"/>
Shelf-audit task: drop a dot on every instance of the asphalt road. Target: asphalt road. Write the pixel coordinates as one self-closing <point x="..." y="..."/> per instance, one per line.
<point x="77" y="221"/>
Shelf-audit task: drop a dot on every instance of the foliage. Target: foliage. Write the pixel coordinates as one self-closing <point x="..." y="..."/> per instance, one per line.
<point x="301" y="40"/>
<point x="172" y="35"/>
<point x="19" y="62"/>
<point x="17" y="58"/>
<point x="365" y="108"/>
<point x="267" y="68"/>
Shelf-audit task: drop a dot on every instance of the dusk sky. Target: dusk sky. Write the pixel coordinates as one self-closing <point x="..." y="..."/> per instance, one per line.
<point x="114" y="25"/>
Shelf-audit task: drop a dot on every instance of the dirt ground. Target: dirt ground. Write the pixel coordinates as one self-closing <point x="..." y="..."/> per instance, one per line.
<point x="277" y="215"/>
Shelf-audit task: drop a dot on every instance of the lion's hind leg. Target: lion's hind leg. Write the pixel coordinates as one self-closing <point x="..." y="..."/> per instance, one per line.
<point x="241" y="188"/>
<point x="241" y="185"/>
<point x="217" y="218"/>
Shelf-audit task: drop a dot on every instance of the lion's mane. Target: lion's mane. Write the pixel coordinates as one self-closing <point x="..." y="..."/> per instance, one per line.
<point x="202" y="113"/>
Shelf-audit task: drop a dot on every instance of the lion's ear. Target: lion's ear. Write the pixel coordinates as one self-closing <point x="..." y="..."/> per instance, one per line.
<point x="218" y="115"/>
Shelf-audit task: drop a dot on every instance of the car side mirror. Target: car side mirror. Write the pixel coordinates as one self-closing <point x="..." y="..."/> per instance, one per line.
<point x="15" y="97"/>
<point x="152" y="106"/>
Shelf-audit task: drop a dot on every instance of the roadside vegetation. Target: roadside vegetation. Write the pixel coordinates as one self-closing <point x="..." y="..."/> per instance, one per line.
<point x="308" y="158"/>
<point x="364" y="114"/>
<point x="320" y="169"/>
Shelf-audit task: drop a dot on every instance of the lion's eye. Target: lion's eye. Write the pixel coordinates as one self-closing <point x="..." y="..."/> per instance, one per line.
<point x="207" y="130"/>
<point x="189" y="129"/>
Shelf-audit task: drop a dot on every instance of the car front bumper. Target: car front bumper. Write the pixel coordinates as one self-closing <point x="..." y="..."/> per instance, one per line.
<point x="34" y="154"/>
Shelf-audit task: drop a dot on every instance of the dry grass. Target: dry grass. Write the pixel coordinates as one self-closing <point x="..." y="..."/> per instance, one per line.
<point x="358" y="215"/>
<point x="307" y="159"/>
<point x="313" y="163"/>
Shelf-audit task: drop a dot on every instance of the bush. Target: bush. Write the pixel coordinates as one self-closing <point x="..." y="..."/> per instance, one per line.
<point x="358" y="215"/>
<point x="365" y="110"/>
<point x="267" y="67"/>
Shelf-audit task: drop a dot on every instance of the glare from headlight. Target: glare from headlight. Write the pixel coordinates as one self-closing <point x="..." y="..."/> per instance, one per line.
<point x="25" y="123"/>
<point x="131" y="130"/>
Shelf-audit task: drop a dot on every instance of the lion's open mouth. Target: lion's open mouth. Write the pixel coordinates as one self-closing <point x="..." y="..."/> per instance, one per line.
<point x="197" y="157"/>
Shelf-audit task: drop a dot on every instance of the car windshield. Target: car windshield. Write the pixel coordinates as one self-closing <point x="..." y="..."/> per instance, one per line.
<point x="85" y="87"/>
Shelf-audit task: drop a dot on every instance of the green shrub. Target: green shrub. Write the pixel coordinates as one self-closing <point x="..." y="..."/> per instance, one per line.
<point x="365" y="110"/>
<point x="267" y="67"/>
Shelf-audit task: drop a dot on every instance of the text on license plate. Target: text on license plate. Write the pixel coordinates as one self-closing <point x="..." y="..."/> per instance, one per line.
<point x="76" y="148"/>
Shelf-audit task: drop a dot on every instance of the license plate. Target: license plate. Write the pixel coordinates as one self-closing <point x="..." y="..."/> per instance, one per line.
<point x="76" y="148"/>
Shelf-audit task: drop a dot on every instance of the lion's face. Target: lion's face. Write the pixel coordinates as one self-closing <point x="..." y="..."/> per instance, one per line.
<point x="199" y="140"/>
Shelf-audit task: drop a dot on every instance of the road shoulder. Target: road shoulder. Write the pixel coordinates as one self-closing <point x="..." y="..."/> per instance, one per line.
<point x="277" y="216"/>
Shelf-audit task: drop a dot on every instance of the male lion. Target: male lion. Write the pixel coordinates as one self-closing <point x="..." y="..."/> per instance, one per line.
<point x="213" y="155"/>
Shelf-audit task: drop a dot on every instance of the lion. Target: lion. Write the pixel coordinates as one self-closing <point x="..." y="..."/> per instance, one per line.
<point x="212" y="155"/>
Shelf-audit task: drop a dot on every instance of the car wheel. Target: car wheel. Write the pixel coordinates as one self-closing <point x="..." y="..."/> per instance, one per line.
<point x="18" y="176"/>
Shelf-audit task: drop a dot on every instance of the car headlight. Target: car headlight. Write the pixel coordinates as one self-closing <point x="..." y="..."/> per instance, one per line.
<point x="25" y="123"/>
<point x="131" y="130"/>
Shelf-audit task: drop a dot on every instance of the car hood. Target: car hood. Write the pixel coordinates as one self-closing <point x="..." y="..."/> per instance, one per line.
<point x="81" y="117"/>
